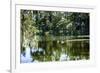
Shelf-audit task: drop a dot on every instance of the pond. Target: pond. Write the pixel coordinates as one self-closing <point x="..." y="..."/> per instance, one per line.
<point x="57" y="50"/>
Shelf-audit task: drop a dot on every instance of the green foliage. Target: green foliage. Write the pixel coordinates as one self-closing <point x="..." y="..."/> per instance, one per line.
<point x="53" y="23"/>
<point x="50" y="29"/>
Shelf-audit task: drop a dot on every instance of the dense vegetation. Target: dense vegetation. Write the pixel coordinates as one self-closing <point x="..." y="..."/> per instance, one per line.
<point x="55" y="23"/>
<point x="36" y="24"/>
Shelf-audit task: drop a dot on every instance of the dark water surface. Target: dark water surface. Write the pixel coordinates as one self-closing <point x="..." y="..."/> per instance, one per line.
<point x="63" y="50"/>
<point x="58" y="50"/>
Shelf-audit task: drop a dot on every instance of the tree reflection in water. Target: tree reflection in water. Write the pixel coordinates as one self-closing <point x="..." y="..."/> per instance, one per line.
<point x="65" y="50"/>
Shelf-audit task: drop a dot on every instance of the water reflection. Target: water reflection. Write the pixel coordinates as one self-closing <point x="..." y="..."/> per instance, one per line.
<point x="26" y="56"/>
<point x="57" y="51"/>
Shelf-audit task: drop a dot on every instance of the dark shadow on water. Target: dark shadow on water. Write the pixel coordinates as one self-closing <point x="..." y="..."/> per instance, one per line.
<point x="60" y="50"/>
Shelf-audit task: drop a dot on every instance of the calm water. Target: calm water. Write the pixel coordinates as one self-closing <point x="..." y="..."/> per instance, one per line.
<point x="65" y="50"/>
